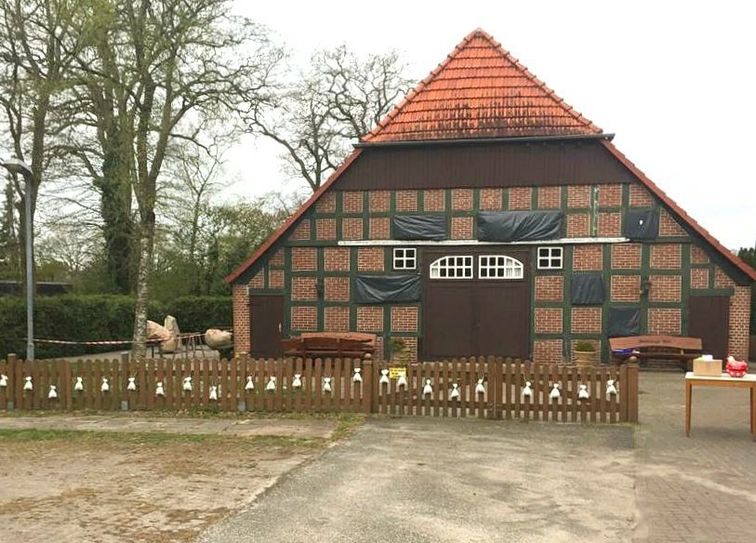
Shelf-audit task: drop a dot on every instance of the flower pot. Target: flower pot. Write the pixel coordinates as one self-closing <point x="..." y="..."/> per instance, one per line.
<point x="585" y="358"/>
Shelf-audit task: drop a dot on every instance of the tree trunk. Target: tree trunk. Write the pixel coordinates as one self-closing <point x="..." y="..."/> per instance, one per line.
<point x="146" y="247"/>
<point x="115" y="206"/>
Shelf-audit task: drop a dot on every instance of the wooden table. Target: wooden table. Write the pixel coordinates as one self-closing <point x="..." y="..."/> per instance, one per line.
<point x="747" y="381"/>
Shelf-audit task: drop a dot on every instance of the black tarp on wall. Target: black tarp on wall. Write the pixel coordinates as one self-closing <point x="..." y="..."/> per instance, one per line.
<point x="642" y="224"/>
<point x="623" y="321"/>
<point x="382" y="289"/>
<point x="519" y="225"/>
<point x="419" y="227"/>
<point x="587" y="289"/>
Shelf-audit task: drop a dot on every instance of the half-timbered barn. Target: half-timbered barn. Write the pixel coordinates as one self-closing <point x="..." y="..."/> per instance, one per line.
<point x="485" y="216"/>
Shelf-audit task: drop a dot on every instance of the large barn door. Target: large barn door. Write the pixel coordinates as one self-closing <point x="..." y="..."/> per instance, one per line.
<point x="475" y="302"/>
<point x="266" y="321"/>
<point x="709" y="318"/>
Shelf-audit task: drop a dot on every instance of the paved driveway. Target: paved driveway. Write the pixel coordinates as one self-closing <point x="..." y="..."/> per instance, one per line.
<point x="418" y="479"/>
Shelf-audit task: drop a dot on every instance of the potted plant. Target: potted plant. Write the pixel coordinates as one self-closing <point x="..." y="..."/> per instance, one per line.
<point x="585" y="353"/>
<point x="399" y="351"/>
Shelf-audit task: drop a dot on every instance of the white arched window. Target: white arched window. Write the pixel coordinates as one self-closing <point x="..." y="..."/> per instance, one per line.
<point x="452" y="267"/>
<point x="499" y="267"/>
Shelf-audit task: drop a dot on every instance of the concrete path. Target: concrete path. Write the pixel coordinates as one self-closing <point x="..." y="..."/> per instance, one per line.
<point x="300" y="428"/>
<point x="415" y="479"/>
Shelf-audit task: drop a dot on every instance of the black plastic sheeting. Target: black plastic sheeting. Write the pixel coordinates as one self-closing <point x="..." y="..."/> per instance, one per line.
<point x="642" y="224"/>
<point x="383" y="289"/>
<point x="587" y="289"/>
<point x="419" y="227"/>
<point x="519" y="225"/>
<point x="623" y="321"/>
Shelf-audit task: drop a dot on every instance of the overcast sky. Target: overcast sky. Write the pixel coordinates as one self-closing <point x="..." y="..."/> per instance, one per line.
<point x="675" y="81"/>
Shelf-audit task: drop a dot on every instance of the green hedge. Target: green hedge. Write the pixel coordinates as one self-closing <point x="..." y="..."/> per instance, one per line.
<point x="98" y="317"/>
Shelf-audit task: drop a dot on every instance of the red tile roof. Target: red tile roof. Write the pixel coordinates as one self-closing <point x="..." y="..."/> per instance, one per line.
<point x="480" y="91"/>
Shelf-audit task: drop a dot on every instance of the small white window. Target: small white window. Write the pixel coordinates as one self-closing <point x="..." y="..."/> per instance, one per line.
<point x="452" y="267"/>
<point x="499" y="267"/>
<point x="405" y="259"/>
<point x="549" y="258"/>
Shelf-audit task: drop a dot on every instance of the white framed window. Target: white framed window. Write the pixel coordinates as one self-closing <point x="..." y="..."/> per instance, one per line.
<point x="405" y="258"/>
<point x="550" y="258"/>
<point x="500" y="267"/>
<point x="452" y="267"/>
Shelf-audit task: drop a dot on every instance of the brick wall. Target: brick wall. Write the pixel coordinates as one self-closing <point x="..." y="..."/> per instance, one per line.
<point x="303" y="289"/>
<point x="639" y="196"/>
<point x="379" y="201"/>
<point x="520" y="198"/>
<point x="609" y="224"/>
<point x="588" y="257"/>
<point x="669" y="226"/>
<point x="434" y="200"/>
<point x="351" y="201"/>
<point x="666" y="256"/>
<point x="301" y="231"/>
<point x="304" y="259"/>
<point x="304" y="318"/>
<point x="740" y="315"/>
<point x="242" y="329"/>
<point x="626" y="256"/>
<point x="549" y="288"/>
<point x="665" y="288"/>
<point x="547" y="351"/>
<point x="579" y="196"/>
<point x="380" y="228"/>
<point x="370" y="259"/>
<point x="610" y="195"/>
<point x="351" y="228"/>
<point x="664" y="320"/>
<point x="699" y="278"/>
<point x="406" y="200"/>
<point x="462" y="199"/>
<point x="625" y="288"/>
<point x="549" y="197"/>
<point x="336" y="289"/>
<point x="586" y="320"/>
<point x="325" y="229"/>
<point x="578" y="225"/>
<point x="490" y="199"/>
<point x="548" y="320"/>
<point x="404" y="318"/>
<point x="336" y="318"/>
<point x="462" y="228"/>
<point x="326" y="203"/>
<point x="370" y="318"/>
<point x="336" y="258"/>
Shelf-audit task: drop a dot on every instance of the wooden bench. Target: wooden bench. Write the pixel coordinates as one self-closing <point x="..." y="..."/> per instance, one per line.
<point x="341" y="345"/>
<point x="673" y="348"/>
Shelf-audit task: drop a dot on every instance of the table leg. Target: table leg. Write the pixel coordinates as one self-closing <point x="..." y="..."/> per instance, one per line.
<point x="753" y="413"/>
<point x="688" y="398"/>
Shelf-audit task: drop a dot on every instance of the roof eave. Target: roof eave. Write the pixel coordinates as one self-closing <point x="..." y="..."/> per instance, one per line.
<point x="475" y="141"/>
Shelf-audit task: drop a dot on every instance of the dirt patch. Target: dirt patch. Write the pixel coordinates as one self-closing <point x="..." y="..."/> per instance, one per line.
<point x="85" y="486"/>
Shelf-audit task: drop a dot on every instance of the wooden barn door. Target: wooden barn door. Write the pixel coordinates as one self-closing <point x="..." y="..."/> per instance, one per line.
<point x="709" y="318"/>
<point x="266" y="321"/>
<point x="474" y="316"/>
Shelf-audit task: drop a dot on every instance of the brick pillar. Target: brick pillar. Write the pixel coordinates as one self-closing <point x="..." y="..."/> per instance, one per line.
<point x="242" y="326"/>
<point x="740" y="316"/>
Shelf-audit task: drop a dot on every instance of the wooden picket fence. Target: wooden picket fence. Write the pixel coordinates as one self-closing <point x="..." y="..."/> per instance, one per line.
<point x="485" y="387"/>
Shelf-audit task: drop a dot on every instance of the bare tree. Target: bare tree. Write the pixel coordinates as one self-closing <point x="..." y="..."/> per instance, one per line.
<point x="175" y="65"/>
<point x="340" y="98"/>
<point x="33" y="85"/>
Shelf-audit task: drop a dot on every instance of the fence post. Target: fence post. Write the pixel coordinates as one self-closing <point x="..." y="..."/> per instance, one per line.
<point x="624" y="396"/>
<point x="367" y="390"/>
<point x="632" y="392"/>
<point x="15" y="377"/>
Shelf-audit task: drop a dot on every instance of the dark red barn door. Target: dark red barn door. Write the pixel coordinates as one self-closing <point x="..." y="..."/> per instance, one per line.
<point x="708" y="318"/>
<point x="474" y="315"/>
<point x="266" y="321"/>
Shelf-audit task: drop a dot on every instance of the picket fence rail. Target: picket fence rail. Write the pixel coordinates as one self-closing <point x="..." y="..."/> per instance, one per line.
<point x="485" y="387"/>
